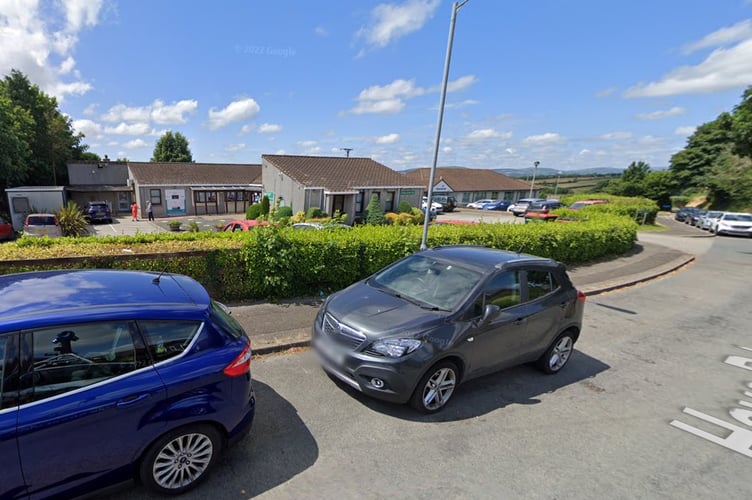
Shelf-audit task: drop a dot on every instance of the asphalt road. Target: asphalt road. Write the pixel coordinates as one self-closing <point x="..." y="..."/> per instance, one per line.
<point x="620" y="421"/>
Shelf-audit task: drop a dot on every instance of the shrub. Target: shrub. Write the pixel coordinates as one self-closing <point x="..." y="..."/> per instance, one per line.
<point x="254" y="211"/>
<point x="264" y="205"/>
<point x="375" y="214"/>
<point x="404" y="207"/>
<point x="282" y="213"/>
<point x="298" y="217"/>
<point x="72" y="220"/>
<point x="315" y="213"/>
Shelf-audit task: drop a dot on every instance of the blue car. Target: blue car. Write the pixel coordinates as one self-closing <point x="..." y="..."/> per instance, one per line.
<point x="497" y="205"/>
<point x="107" y="376"/>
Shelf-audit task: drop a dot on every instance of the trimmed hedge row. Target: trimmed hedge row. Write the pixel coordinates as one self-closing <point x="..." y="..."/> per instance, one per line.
<point x="278" y="262"/>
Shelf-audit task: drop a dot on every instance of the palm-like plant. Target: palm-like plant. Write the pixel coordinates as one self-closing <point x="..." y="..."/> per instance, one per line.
<point x="72" y="220"/>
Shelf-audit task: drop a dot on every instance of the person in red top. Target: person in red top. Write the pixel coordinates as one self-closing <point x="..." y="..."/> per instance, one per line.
<point x="134" y="211"/>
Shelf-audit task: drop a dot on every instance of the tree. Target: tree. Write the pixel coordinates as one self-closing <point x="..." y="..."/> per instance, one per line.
<point x="172" y="147"/>
<point x="659" y="186"/>
<point x="711" y="140"/>
<point x="47" y="133"/>
<point x="375" y="214"/>
<point x="15" y="153"/>
<point x="742" y="124"/>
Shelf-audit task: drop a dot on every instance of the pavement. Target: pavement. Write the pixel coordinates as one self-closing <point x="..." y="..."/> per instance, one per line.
<point x="279" y="326"/>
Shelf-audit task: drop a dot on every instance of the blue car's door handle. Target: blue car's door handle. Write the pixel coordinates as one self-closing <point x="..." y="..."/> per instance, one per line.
<point x="131" y="400"/>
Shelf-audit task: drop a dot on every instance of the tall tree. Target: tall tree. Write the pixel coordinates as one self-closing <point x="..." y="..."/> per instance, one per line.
<point x="711" y="140"/>
<point x="172" y="147"/>
<point x="15" y="152"/>
<point x="742" y="123"/>
<point x="49" y="133"/>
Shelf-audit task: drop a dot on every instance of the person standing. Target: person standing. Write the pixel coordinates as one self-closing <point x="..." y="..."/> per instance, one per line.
<point x="134" y="211"/>
<point x="150" y="210"/>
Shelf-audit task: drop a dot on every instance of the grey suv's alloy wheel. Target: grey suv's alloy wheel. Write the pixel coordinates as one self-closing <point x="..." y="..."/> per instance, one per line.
<point x="557" y="354"/>
<point x="181" y="459"/>
<point x="435" y="388"/>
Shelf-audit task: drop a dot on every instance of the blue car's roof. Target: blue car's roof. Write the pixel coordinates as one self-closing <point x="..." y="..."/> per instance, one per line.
<point x="35" y="298"/>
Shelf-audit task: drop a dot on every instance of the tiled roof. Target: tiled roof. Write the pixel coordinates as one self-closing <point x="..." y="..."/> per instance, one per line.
<point x="338" y="173"/>
<point x="468" y="179"/>
<point x="195" y="174"/>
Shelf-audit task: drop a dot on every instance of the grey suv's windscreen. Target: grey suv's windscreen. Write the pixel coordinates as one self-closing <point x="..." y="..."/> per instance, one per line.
<point x="428" y="282"/>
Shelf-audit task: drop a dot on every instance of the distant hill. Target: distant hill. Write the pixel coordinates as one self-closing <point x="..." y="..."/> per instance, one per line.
<point x="552" y="172"/>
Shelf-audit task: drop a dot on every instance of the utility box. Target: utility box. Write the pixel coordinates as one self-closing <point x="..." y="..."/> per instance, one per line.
<point x="33" y="199"/>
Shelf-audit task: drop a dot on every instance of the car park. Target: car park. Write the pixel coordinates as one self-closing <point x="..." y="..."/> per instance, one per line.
<point x="6" y="229"/>
<point x="36" y="225"/>
<point x="415" y="330"/>
<point x="733" y="223"/>
<point x="107" y="376"/>
<point x="479" y="203"/>
<point x="497" y="205"/>
<point x="519" y="207"/>
<point x="98" y="211"/>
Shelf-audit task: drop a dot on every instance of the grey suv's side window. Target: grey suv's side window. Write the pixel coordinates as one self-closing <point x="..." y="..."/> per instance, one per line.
<point x="503" y="291"/>
<point x="69" y="357"/>
<point x="540" y="283"/>
<point x="168" y="338"/>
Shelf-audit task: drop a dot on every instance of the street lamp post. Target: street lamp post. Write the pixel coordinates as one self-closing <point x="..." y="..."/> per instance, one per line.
<point x="556" y="189"/>
<point x="455" y="8"/>
<point x="532" y="184"/>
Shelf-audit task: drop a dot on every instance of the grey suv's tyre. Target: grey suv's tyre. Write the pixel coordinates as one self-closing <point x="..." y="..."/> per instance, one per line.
<point x="558" y="353"/>
<point x="435" y="388"/>
<point x="181" y="459"/>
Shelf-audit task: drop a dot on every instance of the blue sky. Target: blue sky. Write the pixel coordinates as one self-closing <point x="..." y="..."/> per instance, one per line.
<point x="576" y="84"/>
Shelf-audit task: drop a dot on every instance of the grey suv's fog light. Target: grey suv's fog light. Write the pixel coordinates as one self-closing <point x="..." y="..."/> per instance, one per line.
<point x="377" y="383"/>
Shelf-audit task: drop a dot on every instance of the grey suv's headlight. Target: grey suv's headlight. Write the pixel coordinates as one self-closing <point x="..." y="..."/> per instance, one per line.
<point x="394" y="348"/>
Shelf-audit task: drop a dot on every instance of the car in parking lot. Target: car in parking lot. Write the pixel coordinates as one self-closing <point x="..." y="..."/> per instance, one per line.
<point x="98" y="211"/>
<point x="708" y="219"/>
<point x="733" y="223"/>
<point x="448" y="203"/>
<point x="684" y="214"/>
<point x="242" y="225"/>
<point x="518" y="208"/>
<point x="107" y="375"/>
<point x="36" y="225"/>
<point x="6" y="229"/>
<point x="541" y="210"/>
<point x="587" y="203"/>
<point x="479" y="203"/>
<point x="435" y="205"/>
<point x="497" y="205"/>
<point x="415" y="330"/>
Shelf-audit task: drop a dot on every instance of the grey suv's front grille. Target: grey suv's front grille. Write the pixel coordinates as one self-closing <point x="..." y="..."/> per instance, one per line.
<point x="341" y="333"/>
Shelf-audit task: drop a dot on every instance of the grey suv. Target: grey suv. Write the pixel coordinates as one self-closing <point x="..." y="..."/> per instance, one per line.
<point x="415" y="330"/>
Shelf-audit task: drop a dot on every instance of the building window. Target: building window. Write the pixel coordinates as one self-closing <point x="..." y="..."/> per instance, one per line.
<point x="389" y="201"/>
<point x="155" y="195"/>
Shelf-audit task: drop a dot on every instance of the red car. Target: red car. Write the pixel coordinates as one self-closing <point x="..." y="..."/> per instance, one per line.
<point x="242" y="225"/>
<point x="6" y="230"/>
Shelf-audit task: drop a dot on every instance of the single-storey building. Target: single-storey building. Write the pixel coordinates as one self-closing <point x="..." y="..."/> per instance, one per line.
<point x="100" y="181"/>
<point x="471" y="184"/>
<point x="344" y="184"/>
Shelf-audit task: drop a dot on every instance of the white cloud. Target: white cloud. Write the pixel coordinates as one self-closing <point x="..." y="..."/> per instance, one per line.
<point x="321" y="31"/>
<point x="89" y="128"/>
<point x="488" y="133"/>
<point x="307" y="144"/>
<point x="243" y="109"/>
<point x="232" y="148"/>
<point x="461" y="83"/>
<point x="460" y="104"/>
<point x="584" y="152"/>
<point x="90" y="110"/>
<point x="606" y="92"/>
<point x="39" y="38"/>
<point x="129" y="129"/>
<point x="547" y="138"/>
<point x="660" y="114"/>
<point x="135" y="144"/>
<point x="390" y="21"/>
<point x="613" y="136"/>
<point x="168" y="114"/>
<point x="725" y="68"/>
<point x="390" y="98"/>
<point x="396" y="90"/>
<point x="387" y="106"/>
<point x="688" y="130"/>
<point x="388" y="139"/>
<point x="246" y="128"/>
<point x="736" y="33"/>
<point x="121" y="112"/>
<point x="269" y="128"/>
<point x="447" y="149"/>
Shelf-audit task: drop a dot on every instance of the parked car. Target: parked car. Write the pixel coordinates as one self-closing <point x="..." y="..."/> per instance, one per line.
<point x="693" y="219"/>
<point x="519" y="207"/>
<point x="479" y="203"/>
<point x="733" y="223"/>
<point x="316" y="226"/>
<point x="6" y="229"/>
<point x="448" y="203"/>
<point x="415" y="330"/>
<point x="684" y="214"/>
<point x="110" y="375"/>
<point x="497" y="205"/>
<point x="586" y="203"/>
<point x="242" y="225"/>
<point x="541" y="210"/>
<point x="98" y="211"/>
<point x="707" y="220"/>
<point x="37" y="225"/>
<point x="435" y="205"/>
